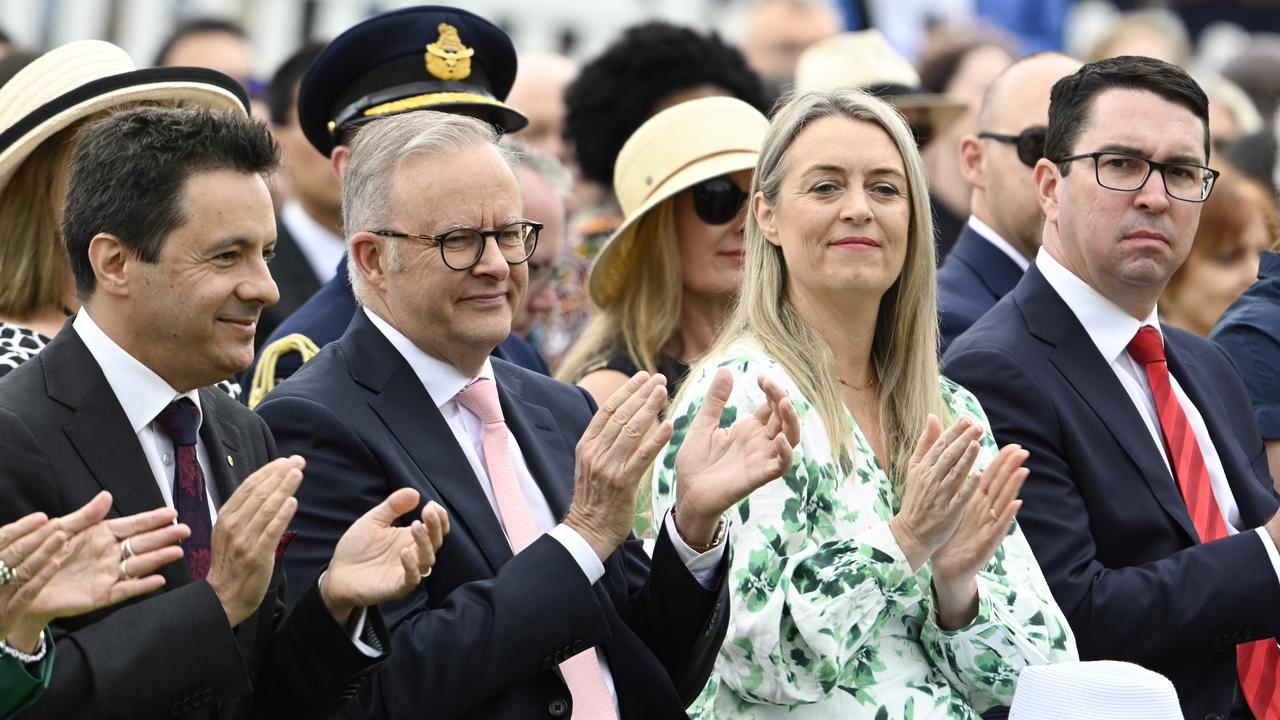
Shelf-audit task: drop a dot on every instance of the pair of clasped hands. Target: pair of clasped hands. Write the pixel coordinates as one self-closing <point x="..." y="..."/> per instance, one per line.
<point x="80" y="562"/>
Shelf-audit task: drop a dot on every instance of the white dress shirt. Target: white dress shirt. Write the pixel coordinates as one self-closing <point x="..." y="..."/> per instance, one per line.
<point x="318" y="244"/>
<point x="1111" y="329"/>
<point x="443" y="382"/>
<point x="143" y="394"/>
<point x="986" y="233"/>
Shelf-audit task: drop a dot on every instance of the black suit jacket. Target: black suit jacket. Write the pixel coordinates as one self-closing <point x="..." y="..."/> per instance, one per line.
<point x="483" y="635"/>
<point x="971" y="281"/>
<point x="294" y="278"/>
<point x="1102" y="512"/>
<point x="63" y="438"/>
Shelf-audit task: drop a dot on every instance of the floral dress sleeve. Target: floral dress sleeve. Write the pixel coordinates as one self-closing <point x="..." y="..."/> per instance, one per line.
<point x="1018" y="621"/>
<point x="808" y="600"/>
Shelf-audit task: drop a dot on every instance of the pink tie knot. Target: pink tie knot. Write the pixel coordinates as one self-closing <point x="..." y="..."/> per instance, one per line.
<point x="1147" y="346"/>
<point x="481" y="398"/>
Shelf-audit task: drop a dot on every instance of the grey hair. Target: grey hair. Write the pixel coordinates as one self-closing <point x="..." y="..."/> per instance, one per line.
<point x="378" y="151"/>
<point x="545" y="166"/>
<point x="905" y="348"/>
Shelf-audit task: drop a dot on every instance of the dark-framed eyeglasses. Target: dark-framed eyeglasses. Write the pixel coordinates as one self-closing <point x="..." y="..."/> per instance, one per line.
<point x="462" y="248"/>
<point x="1127" y="172"/>
<point x="1029" y="143"/>
<point x="717" y="201"/>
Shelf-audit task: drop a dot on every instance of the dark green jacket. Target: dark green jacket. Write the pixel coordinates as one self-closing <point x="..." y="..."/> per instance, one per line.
<point x="21" y="684"/>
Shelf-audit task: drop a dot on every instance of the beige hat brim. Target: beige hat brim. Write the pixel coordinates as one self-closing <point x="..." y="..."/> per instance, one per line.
<point x="12" y="156"/>
<point x="610" y="268"/>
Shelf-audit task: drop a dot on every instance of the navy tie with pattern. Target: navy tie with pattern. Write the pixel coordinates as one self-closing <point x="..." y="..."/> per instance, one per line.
<point x="181" y="422"/>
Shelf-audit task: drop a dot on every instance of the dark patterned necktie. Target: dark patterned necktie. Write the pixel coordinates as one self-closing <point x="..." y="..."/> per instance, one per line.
<point x="180" y="420"/>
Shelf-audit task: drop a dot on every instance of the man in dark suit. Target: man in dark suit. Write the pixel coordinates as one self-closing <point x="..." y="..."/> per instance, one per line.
<point x="168" y="227"/>
<point x="1149" y="505"/>
<point x="380" y="67"/>
<point x="528" y="615"/>
<point x="1002" y="234"/>
<point x="309" y="244"/>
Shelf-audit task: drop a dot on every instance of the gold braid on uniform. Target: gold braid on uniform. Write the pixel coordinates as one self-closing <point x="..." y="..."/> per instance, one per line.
<point x="264" y="376"/>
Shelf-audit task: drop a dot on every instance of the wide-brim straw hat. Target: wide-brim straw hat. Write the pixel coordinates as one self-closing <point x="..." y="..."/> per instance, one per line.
<point x="81" y="78"/>
<point x="867" y="61"/>
<point x="1098" y="690"/>
<point x="674" y="150"/>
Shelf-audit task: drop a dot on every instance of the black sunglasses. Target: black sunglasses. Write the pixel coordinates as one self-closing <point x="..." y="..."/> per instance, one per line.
<point x="1030" y="143"/>
<point x="717" y="201"/>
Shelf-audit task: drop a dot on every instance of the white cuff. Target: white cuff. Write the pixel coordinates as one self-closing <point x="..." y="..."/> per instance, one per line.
<point x="1270" y="545"/>
<point x="704" y="566"/>
<point x="357" y="627"/>
<point x="581" y="551"/>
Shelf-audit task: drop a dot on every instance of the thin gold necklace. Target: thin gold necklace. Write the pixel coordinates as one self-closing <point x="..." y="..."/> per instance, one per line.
<point x="851" y="386"/>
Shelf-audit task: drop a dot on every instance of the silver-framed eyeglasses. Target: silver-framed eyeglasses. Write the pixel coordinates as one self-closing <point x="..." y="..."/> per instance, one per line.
<point x="1126" y="172"/>
<point x="461" y="248"/>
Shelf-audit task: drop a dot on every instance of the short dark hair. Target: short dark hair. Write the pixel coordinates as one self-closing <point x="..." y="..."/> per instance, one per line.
<point x="197" y="26"/>
<point x="128" y="171"/>
<point x="616" y="92"/>
<point x="1072" y="97"/>
<point x="282" y="92"/>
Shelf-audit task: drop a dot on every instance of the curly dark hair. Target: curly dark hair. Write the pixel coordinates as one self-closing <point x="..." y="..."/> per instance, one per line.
<point x="616" y="92"/>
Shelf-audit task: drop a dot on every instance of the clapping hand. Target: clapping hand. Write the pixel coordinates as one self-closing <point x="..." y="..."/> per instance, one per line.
<point x="375" y="562"/>
<point x="985" y="523"/>
<point x="936" y="489"/>
<point x="94" y="567"/>
<point x="716" y="467"/>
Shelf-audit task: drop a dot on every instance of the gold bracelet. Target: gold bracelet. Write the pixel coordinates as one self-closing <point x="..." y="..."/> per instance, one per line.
<point x="717" y="537"/>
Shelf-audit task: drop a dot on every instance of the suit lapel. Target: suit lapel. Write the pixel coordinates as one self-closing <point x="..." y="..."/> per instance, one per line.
<point x="549" y="460"/>
<point x="1076" y="357"/>
<point x="228" y="466"/>
<point x="411" y="416"/>
<point x="997" y="271"/>
<point x="1240" y="476"/>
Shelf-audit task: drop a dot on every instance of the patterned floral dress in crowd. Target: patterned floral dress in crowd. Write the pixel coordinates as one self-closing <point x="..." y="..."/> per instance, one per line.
<point x="827" y="619"/>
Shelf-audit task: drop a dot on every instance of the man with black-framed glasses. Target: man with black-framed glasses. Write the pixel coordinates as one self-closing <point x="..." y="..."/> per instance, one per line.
<point x="1149" y="504"/>
<point x="1002" y="233"/>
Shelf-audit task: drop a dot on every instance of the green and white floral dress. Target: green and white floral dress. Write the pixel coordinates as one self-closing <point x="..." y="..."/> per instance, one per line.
<point x="828" y="621"/>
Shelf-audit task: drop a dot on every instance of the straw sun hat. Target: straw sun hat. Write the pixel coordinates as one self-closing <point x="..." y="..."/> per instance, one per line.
<point x="81" y="78"/>
<point x="866" y="60"/>
<point x="676" y="149"/>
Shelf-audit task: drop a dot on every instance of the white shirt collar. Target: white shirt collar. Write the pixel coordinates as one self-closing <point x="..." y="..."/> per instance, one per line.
<point x="441" y="380"/>
<point x="141" y="392"/>
<point x="318" y="244"/>
<point x="986" y="233"/>
<point x="1110" y="327"/>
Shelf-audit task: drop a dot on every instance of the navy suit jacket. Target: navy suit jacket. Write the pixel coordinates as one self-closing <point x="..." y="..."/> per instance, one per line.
<point x="483" y="635"/>
<point x="971" y="281"/>
<point x="325" y="316"/>
<point x="1102" y="511"/>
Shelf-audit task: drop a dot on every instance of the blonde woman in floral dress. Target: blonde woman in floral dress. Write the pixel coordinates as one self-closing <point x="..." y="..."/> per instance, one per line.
<point x="883" y="576"/>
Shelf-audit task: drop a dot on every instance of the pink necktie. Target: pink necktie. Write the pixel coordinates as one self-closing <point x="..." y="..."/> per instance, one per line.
<point x="591" y="698"/>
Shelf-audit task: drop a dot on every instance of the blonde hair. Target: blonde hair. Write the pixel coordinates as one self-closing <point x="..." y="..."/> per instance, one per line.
<point x="645" y="311"/>
<point x="905" y="348"/>
<point x="33" y="260"/>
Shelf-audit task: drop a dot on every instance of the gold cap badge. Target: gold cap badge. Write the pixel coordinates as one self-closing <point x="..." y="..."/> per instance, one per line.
<point x="447" y="58"/>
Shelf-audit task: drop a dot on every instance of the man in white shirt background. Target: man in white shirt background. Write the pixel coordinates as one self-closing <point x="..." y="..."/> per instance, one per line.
<point x="1149" y="504"/>
<point x="1002" y="234"/>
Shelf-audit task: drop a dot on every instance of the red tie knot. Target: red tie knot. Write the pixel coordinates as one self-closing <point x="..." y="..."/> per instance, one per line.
<point x="481" y="398"/>
<point x="1147" y="346"/>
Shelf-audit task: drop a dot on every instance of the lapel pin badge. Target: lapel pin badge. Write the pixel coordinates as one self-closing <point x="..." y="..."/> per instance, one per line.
<point x="230" y="461"/>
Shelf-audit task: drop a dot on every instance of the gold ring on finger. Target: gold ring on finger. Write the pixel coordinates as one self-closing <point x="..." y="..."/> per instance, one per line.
<point x="994" y="515"/>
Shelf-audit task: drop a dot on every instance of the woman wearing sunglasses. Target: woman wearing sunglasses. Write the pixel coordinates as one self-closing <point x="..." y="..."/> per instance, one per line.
<point x="883" y="575"/>
<point x="667" y="277"/>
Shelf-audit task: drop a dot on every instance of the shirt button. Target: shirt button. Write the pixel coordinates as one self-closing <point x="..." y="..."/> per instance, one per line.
<point x="165" y="458"/>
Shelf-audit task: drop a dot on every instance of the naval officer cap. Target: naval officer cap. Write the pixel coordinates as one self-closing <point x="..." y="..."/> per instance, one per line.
<point x="428" y="57"/>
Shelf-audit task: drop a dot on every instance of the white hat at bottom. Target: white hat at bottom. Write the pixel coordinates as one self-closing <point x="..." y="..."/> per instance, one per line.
<point x="1098" y="690"/>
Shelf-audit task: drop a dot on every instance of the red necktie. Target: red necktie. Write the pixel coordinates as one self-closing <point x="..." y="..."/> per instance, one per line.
<point x="1257" y="662"/>
<point x="591" y="698"/>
